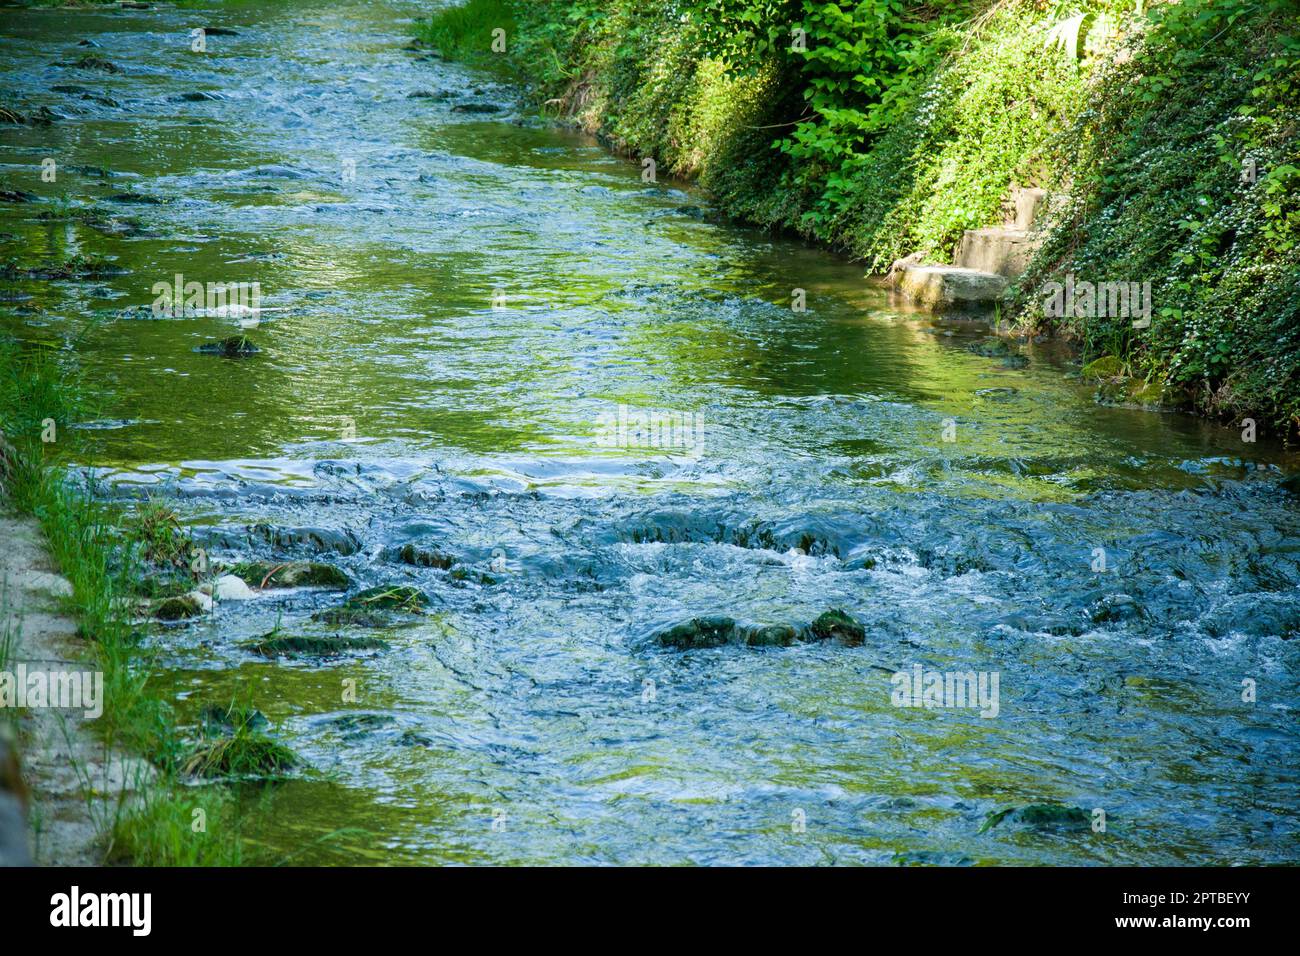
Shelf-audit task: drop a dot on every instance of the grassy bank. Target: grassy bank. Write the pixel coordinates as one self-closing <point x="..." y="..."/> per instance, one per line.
<point x="40" y="399"/>
<point x="884" y="128"/>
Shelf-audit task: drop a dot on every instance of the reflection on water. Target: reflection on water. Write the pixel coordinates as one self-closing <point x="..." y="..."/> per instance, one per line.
<point x="462" y="305"/>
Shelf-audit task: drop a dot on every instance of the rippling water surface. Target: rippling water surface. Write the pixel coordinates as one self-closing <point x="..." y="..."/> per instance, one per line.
<point x="458" y="326"/>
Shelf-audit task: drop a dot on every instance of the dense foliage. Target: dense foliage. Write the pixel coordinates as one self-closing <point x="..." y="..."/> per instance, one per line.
<point x="886" y="127"/>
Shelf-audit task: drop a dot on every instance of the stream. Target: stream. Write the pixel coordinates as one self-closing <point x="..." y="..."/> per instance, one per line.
<point x="468" y="312"/>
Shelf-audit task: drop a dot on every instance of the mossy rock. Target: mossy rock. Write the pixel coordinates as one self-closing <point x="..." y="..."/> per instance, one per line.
<point x="1146" y="393"/>
<point x="390" y="598"/>
<point x="698" y="632"/>
<point x="476" y="108"/>
<point x="177" y="608"/>
<point x="1130" y="391"/>
<point x="292" y="574"/>
<point x="375" y="607"/>
<point x="1041" y="816"/>
<point x="836" y="625"/>
<point x="769" y="635"/>
<point x="1108" y="366"/>
<point x="420" y="557"/>
<point x="236" y="346"/>
<point x="354" y="723"/>
<point x="468" y="575"/>
<point x="300" y="645"/>
<point x="718" y="630"/>
<point x="351" y="617"/>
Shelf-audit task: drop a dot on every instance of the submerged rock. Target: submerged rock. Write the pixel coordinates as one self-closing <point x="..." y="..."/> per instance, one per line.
<point x="16" y="195"/>
<point x="306" y="645"/>
<point x="292" y="574"/>
<point x="92" y="62"/>
<point x="718" y="630"/>
<point x="42" y="116"/>
<point x="1116" y="607"/>
<point x="420" y="557"/>
<point x="991" y="347"/>
<point x="470" y="576"/>
<point x="476" y="108"/>
<point x="376" y="607"/>
<point x="137" y="199"/>
<point x="699" y="632"/>
<point x="996" y="394"/>
<point x="1040" y="816"/>
<point x="353" y="727"/>
<point x="317" y="540"/>
<point x="196" y="96"/>
<point x="237" y="346"/>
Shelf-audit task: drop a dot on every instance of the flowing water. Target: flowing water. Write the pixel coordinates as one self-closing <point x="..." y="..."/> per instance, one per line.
<point x="467" y="303"/>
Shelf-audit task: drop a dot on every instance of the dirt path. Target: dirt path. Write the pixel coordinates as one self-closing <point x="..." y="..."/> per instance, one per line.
<point x="74" y="784"/>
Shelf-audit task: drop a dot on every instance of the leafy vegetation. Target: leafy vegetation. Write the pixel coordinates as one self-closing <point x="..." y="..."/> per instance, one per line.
<point x="1183" y="170"/>
<point x="884" y="128"/>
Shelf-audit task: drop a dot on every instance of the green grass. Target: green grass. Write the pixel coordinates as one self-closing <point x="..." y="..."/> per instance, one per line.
<point x="191" y="827"/>
<point x="85" y="539"/>
<point x="156" y="528"/>
<point x="464" y="31"/>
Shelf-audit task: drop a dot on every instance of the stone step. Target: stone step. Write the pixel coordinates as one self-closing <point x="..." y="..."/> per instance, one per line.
<point x="997" y="249"/>
<point x="950" y="288"/>
<point x="1021" y="209"/>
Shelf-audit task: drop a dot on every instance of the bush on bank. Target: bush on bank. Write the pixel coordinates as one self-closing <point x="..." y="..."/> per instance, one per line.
<point x="883" y="128"/>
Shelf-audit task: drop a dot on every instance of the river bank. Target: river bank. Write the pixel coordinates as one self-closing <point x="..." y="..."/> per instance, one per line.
<point x="96" y="747"/>
<point x="1165" y="136"/>
<point x="74" y="783"/>
<point x="627" y="559"/>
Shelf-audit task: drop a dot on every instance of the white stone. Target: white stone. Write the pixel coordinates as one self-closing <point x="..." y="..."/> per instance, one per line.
<point x="231" y="588"/>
